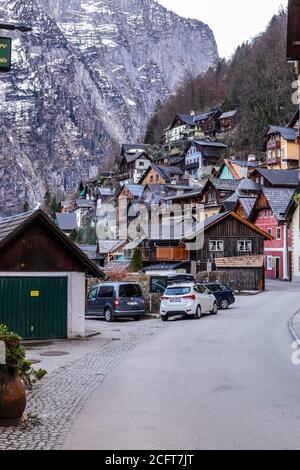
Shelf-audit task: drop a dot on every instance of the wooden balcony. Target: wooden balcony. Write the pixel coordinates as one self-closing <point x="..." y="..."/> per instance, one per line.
<point x="174" y="253"/>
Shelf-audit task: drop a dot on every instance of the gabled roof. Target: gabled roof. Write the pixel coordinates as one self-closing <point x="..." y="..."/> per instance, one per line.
<point x="106" y="191"/>
<point x="127" y="148"/>
<point x="133" y="157"/>
<point x="66" y="221"/>
<point x="295" y="118"/>
<point x="218" y="218"/>
<point x="165" y="172"/>
<point x="244" y="164"/>
<point x="84" y="203"/>
<point x="135" y="189"/>
<point x="11" y="227"/>
<point x="225" y="185"/>
<point x="229" y="114"/>
<point x="279" y="200"/>
<point x="248" y="204"/>
<point x="248" y="185"/>
<point x="280" y="178"/>
<point x="110" y="246"/>
<point x="288" y="133"/>
<point x="208" y="114"/>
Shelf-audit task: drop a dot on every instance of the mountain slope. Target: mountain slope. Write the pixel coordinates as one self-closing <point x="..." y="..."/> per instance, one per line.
<point x="90" y="74"/>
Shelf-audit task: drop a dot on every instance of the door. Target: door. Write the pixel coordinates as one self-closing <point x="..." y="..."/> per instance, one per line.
<point x="105" y="298"/>
<point x="92" y="301"/>
<point x="35" y="307"/>
<point x="204" y="297"/>
<point x="277" y="268"/>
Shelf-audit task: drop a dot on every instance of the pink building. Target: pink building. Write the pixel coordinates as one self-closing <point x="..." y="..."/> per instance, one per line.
<point x="269" y="215"/>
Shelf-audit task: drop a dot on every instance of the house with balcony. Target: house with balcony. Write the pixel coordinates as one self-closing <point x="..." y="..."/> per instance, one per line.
<point x="133" y="164"/>
<point x="201" y="156"/>
<point x="232" y="246"/>
<point x="282" y="148"/>
<point x="228" y="120"/>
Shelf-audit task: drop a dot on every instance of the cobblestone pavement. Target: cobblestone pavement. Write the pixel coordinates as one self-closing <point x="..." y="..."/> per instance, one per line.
<point x="57" y="399"/>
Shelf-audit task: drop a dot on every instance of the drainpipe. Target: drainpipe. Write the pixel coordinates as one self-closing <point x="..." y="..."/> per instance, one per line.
<point x="286" y="276"/>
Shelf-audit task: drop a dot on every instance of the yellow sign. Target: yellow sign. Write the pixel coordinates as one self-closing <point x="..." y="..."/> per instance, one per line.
<point x="35" y="293"/>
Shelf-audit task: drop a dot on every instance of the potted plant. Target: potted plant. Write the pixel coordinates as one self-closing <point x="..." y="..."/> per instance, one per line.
<point x="15" y="376"/>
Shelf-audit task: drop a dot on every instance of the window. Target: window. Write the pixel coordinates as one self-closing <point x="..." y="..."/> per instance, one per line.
<point x="266" y="213"/>
<point x="141" y="163"/>
<point x="130" y="290"/>
<point x="178" y="291"/>
<point x="151" y="178"/>
<point x="278" y="233"/>
<point x="92" y="294"/>
<point x="106" y="292"/>
<point x="271" y="213"/>
<point x="270" y="232"/>
<point x="270" y="263"/>
<point x="216" y="245"/>
<point x="244" y="246"/>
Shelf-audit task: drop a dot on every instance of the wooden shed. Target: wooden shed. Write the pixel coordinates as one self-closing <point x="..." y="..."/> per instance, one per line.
<point x="42" y="278"/>
<point x="227" y="242"/>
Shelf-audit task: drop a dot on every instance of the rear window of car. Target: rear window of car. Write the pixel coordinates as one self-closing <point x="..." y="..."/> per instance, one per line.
<point x="130" y="290"/>
<point x="214" y="287"/>
<point x="178" y="291"/>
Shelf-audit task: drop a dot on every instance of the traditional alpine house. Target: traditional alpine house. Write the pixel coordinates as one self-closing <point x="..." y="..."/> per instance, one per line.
<point x="201" y="156"/>
<point x="156" y="174"/>
<point x="134" y="162"/>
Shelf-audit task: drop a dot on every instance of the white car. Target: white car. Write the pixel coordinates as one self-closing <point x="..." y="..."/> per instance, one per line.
<point x="190" y="300"/>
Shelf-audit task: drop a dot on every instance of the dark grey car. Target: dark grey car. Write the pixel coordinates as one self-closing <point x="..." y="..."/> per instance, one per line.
<point x="116" y="300"/>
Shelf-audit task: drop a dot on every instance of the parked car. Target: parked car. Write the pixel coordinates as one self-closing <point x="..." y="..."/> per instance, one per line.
<point x="223" y="294"/>
<point x="189" y="300"/>
<point x="116" y="300"/>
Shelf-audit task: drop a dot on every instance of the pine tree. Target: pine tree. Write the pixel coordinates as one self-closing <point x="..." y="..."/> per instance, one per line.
<point x="136" y="260"/>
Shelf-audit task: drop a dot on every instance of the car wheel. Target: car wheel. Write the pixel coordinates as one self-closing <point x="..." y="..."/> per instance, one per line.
<point x="224" y="304"/>
<point x="215" y="309"/>
<point x="198" y="313"/>
<point x="109" y="316"/>
<point x="164" y="317"/>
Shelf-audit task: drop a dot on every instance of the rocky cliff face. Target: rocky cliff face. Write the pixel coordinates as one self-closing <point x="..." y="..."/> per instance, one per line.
<point x="89" y="75"/>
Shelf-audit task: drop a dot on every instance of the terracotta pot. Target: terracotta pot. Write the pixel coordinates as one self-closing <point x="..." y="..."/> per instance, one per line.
<point x="12" y="393"/>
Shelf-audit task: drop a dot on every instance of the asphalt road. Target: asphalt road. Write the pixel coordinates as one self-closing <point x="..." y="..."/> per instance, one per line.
<point x="224" y="382"/>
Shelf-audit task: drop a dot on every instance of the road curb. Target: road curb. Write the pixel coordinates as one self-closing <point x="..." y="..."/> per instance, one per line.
<point x="292" y="328"/>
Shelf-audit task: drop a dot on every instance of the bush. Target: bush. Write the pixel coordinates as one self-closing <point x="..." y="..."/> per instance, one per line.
<point x="16" y="355"/>
<point x="136" y="260"/>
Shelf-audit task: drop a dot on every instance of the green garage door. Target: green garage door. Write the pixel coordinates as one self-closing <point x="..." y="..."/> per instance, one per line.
<point x="35" y="307"/>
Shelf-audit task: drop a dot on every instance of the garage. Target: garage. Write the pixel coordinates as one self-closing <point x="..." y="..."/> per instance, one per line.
<point x="42" y="279"/>
<point x="35" y="307"/>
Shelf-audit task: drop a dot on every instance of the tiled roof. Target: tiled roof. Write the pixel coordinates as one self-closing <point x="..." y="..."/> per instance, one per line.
<point x="248" y="185"/>
<point x="9" y="224"/>
<point x="279" y="200"/>
<point x="248" y="204"/>
<point x="240" y="262"/>
<point x="226" y="185"/>
<point x="288" y="133"/>
<point x="244" y="164"/>
<point x="280" y="177"/>
<point x="66" y="221"/>
<point x="108" y="246"/>
<point x="229" y="114"/>
<point x="135" y="189"/>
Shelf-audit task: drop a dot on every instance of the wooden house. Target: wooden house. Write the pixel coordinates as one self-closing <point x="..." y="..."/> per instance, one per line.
<point x="133" y="164"/>
<point x="42" y="279"/>
<point x="215" y="192"/>
<point x="156" y="174"/>
<point x="228" y="120"/>
<point x="230" y="244"/>
<point x="209" y="122"/>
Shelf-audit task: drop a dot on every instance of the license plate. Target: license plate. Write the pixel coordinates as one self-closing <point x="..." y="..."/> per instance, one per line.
<point x="176" y="300"/>
<point x="132" y="304"/>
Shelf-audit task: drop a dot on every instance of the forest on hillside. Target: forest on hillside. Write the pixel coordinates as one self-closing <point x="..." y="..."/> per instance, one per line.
<point x="257" y="81"/>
